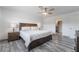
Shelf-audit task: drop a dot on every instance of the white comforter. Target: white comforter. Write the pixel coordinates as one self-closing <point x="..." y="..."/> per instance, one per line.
<point x="30" y="35"/>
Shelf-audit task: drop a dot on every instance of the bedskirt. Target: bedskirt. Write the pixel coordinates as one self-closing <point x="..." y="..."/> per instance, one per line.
<point x="39" y="42"/>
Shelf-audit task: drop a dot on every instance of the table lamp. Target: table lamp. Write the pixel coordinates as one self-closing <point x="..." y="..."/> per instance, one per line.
<point x="13" y="27"/>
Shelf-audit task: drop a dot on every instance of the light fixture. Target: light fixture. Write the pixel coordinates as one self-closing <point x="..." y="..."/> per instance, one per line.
<point x="13" y="26"/>
<point x="39" y="25"/>
<point x="45" y="13"/>
<point x="45" y="10"/>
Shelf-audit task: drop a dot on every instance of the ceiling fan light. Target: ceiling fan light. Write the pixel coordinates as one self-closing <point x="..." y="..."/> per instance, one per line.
<point x="45" y="13"/>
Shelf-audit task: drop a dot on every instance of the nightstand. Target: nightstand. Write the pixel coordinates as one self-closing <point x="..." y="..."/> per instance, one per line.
<point x="13" y="36"/>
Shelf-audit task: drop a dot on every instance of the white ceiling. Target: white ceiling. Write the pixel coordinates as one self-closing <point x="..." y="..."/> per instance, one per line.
<point x="35" y="9"/>
<point x="66" y="9"/>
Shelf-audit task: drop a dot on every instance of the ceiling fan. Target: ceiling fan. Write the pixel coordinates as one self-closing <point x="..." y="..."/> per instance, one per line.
<point x="46" y="10"/>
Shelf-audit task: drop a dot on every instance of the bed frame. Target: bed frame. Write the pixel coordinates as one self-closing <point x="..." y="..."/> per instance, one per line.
<point x="37" y="42"/>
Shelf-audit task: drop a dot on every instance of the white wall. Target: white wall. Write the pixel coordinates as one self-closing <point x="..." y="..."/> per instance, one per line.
<point x="2" y="24"/>
<point x="70" y="23"/>
<point x="49" y="23"/>
<point x="12" y="16"/>
<point x="0" y="21"/>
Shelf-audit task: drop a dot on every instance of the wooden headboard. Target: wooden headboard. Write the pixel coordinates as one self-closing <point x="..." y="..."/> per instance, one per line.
<point x="27" y="25"/>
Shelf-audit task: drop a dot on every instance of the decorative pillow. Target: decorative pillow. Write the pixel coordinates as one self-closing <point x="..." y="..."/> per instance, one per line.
<point x="26" y="28"/>
<point x="34" y="28"/>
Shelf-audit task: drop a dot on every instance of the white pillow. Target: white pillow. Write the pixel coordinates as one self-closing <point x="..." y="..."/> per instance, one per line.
<point x="25" y="28"/>
<point x="34" y="28"/>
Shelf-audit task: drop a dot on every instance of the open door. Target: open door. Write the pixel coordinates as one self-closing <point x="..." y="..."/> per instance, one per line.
<point x="59" y="27"/>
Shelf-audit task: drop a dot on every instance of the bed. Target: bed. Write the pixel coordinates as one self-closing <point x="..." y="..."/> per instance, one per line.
<point x="34" y="38"/>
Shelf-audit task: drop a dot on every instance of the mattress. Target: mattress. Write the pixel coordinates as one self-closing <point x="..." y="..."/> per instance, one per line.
<point x="31" y="35"/>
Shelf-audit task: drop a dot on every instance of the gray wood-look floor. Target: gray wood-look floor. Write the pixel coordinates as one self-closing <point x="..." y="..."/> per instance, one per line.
<point x="64" y="45"/>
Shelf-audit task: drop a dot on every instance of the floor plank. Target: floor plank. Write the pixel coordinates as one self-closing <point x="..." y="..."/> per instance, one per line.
<point x="64" y="45"/>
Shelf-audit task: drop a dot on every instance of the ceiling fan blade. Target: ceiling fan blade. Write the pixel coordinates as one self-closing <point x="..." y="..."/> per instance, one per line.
<point x="50" y="13"/>
<point x="51" y="9"/>
<point x="41" y="7"/>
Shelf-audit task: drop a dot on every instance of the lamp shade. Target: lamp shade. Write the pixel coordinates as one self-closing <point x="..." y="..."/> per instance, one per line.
<point x="39" y="25"/>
